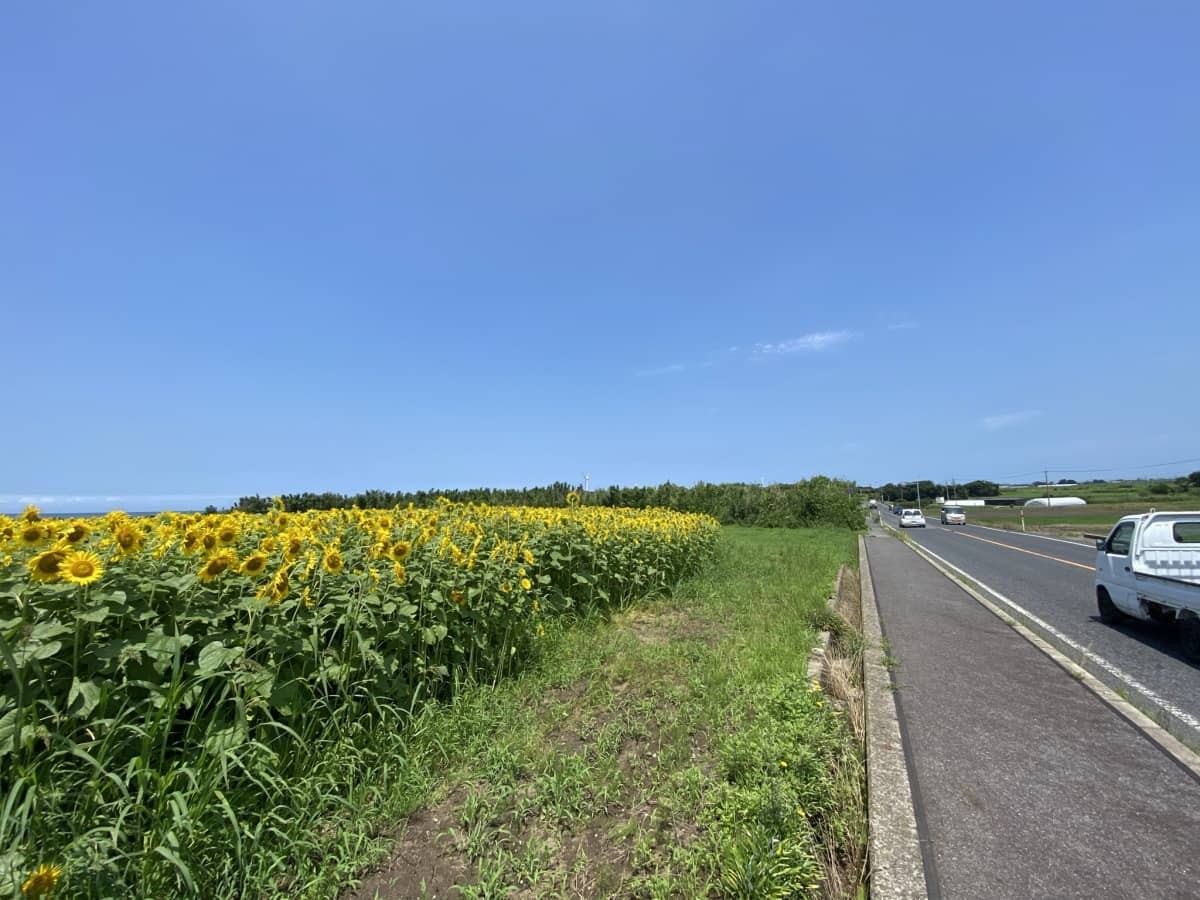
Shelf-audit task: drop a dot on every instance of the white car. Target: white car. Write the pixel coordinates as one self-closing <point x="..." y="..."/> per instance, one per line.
<point x="912" y="518"/>
<point x="954" y="515"/>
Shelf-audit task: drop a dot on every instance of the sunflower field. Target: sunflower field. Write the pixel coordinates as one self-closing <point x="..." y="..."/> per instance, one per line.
<point x="168" y="680"/>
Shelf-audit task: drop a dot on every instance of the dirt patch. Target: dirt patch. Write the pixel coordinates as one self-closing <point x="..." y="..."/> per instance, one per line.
<point x="662" y="627"/>
<point x="425" y="862"/>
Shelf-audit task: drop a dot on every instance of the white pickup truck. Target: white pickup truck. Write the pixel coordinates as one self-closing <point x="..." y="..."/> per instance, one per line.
<point x="1149" y="568"/>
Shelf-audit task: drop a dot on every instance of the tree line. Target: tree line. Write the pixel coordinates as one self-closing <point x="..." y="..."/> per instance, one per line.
<point x="930" y="489"/>
<point x="816" y="501"/>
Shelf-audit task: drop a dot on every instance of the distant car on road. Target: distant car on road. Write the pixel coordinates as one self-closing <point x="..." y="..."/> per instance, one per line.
<point x="912" y="518"/>
<point x="954" y="515"/>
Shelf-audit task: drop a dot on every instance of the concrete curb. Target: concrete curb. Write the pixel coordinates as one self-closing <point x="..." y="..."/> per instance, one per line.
<point x="818" y="659"/>
<point x="897" y="869"/>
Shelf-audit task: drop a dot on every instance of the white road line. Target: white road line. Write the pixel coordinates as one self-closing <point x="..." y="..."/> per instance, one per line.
<point x="1121" y="675"/>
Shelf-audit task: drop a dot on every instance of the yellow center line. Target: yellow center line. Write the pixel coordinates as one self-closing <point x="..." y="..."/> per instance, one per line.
<point x="1065" y="562"/>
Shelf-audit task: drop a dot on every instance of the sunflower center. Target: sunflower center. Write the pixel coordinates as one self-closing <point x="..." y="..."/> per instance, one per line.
<point x="126" y="539"/>
<point x="48" y="564"/>
<point x="31" y="535"/>
<point x="82" y="568"/>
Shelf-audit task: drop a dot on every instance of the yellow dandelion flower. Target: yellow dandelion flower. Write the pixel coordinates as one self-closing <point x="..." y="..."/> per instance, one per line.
<point x="42" y="880"/>
<point x="526" y="584"/>
<point x="44" y="566"/>
<point x="81" y="567"/>
<point x="783" y="764"/>
<point x="254" y="565"/>
<point x="333" y="562"/>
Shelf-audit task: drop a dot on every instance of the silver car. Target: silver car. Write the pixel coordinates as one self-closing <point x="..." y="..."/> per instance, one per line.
<point x="954" y="515"/>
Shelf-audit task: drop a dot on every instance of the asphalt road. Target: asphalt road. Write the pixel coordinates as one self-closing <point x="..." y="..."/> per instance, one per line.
<point x="1054" y="580"/>
<point x="1026" y="784"/>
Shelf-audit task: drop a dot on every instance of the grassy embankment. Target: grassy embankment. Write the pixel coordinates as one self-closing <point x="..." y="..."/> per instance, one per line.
<point x="674" y="750"/>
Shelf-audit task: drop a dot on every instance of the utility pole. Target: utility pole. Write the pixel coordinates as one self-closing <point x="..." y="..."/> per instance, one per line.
<point x="1047" y="473"/>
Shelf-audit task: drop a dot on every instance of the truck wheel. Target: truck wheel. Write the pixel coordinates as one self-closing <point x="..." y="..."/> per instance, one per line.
<point x="1189" y="637"/>
<point x="1108" y="610"/>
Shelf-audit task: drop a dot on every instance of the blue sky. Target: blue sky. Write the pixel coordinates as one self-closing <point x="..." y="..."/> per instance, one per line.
<point x="267" y="247"/>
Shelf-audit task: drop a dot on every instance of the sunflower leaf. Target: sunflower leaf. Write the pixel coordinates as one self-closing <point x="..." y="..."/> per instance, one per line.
<point x="88" y="695"/>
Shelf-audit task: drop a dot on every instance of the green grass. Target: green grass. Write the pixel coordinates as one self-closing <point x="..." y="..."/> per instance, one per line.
<point x="676" y="750"/>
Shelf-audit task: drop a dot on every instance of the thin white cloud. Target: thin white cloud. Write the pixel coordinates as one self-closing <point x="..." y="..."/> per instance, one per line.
<point x="809" y="343"/>
<point x="662" y="370"/>
<point x="902" y="326"/>
<point x="1008" y="420"/>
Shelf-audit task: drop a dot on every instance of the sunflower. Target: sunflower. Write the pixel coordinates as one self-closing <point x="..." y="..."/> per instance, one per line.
<point x="77" y="533"/>
<point x="31" y="514"/>
<point x="280" y="585"/>
<point x="293" y="546"/>
<point x="42" y="880"/>
<point x="526" y="584"/>
<point x="227" y="534"/>
<point x="31" y="535"/>
<point x="572" y="498"/>
<point x="506" y="588"/>
<point x="527" y="556"/>
<point x="254" y="564"/>
<point x="268" y="544"/>
<point x="400" y="572"/>
<point x="208" y="541"/>
<point x="81" y="567"/>
<point x="217" y="564"/>
<point x="400" y="550"/>
<point x="458" y="598"/>
<point x="332" y="562"/>
<point x="191" y="541"/>
<point x="44" y="566"/>
<point x="129" y="539"/>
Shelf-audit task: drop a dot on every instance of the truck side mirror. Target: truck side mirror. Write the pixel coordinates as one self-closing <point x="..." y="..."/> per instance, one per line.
<point x="1101" y="543"/>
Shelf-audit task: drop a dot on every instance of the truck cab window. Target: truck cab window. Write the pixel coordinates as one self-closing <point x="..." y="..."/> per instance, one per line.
<point x="1118" y="544"/>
